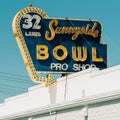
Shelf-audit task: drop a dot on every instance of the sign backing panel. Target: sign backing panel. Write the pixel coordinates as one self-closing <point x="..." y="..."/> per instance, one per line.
<point x="51" y="45"/>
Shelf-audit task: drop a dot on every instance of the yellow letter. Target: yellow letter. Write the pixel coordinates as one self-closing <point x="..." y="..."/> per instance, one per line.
<point x="47" y="34"/>
<point x="64" y="50"/>
<point x="94" y="55"/>
<point x="77" y="55"/>
<point x="42" y="52"/>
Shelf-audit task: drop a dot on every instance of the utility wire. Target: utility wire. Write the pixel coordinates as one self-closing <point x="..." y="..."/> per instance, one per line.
<point x="6" y="92"/>
<point x="20" y="80"/>
<point x="13" y="74"/>
<point x="11" y="90"/>
<point x="11" y="86"/>
<point x="99" y="54"/>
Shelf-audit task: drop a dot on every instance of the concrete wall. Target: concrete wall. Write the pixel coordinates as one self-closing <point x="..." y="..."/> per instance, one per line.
<point x="78" y="86"/>
<point x="108" y="110"/>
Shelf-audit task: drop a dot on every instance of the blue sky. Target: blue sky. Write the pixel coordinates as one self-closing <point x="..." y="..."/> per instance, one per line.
<point x="14" y="78"/>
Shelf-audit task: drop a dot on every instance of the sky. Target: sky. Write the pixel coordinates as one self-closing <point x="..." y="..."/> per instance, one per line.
<point x="14" y="78"/>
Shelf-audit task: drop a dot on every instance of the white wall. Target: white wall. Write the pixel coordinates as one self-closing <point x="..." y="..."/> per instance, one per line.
<point x="89" y="82"/>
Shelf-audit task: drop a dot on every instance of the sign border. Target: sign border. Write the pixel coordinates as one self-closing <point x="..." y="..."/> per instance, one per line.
<point x="24" y="50"/>
<point x="23" y="47"/>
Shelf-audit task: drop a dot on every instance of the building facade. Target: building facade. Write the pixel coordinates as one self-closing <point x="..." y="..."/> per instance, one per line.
<point x="91" y="94"/>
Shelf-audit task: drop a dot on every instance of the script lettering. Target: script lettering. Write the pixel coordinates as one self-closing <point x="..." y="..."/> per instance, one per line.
<point x="75" y="31"/>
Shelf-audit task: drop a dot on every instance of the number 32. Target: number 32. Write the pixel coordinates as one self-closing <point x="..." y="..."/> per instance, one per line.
<point x="28" y="22"/>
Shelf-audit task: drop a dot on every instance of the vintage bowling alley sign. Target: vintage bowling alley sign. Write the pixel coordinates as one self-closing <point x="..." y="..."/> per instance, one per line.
<point x="54" y="45"/>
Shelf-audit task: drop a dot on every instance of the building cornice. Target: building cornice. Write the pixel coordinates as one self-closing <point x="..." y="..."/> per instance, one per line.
<point x="65" y="105"/>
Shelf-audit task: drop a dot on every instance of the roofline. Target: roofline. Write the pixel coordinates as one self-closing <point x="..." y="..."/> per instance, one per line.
<point x="113" y="95"/>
